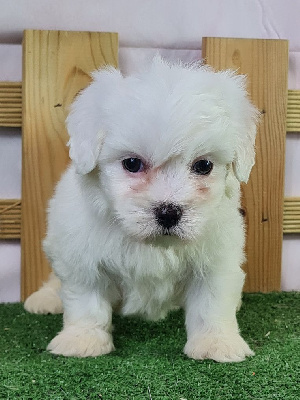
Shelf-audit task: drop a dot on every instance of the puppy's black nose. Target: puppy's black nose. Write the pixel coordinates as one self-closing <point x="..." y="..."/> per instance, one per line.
<point x="168" y="215"/>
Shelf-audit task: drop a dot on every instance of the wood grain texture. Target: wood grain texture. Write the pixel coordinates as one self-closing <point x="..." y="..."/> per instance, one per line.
<point x="56" y="66"/>
<point x="266" y="64"/>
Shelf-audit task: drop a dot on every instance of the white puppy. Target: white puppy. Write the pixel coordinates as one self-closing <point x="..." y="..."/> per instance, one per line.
<point x="147" y="218"/>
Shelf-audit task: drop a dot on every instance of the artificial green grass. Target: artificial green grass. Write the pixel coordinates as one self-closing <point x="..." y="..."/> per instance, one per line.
<point x="148" y="362"/>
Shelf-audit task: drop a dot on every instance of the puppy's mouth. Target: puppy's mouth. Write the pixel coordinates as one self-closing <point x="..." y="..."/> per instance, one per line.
<point x="165" y="238"/>
<point x="174" y="233"/>
<point x="168" y="232"/>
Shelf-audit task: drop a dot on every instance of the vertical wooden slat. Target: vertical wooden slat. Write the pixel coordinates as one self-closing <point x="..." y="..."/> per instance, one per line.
<point x="56" y="65"/>
<point x="266" y="64"/>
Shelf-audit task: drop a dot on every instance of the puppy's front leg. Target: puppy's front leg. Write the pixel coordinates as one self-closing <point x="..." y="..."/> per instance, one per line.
<point x="87" y="324"/>
<point x="212" y="329"/>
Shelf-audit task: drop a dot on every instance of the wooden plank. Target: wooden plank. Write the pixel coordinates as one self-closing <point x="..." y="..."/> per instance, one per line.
<point x="56" y="65"/>
<point x="293" y="111"/>
<point x="11" y="104"/>
<point x="10" y="219"/>
<point x="291" y="215"/>
<point x="266" y="64"/>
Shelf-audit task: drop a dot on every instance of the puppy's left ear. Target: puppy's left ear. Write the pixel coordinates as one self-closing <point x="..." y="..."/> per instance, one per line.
<point x="245" y="147"/>
<point x="85" y="120"/>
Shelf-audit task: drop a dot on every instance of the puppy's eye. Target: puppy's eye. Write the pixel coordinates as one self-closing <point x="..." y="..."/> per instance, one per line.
<point x="202" y="167"/>
<point x="133" y="164"/>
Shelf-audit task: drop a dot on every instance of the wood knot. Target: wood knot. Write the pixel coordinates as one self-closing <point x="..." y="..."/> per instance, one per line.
<point x="236" y="58"/>
<point x="242" y="211"/>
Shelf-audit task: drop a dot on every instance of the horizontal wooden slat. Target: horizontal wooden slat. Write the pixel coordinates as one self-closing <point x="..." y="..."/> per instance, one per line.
<point x="11" y="104"/>
<point x="293" y="111"/>
<point x="9" y="84"/>
<point x="10" y="219"/>
<point x="291" y="215"/>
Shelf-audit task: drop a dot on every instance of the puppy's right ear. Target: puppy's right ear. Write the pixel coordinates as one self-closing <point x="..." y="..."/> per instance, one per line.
<point x="85" y="120"/>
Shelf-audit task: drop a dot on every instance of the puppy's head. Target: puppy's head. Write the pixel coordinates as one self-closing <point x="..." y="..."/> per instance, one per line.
<point x="163" y="140"/>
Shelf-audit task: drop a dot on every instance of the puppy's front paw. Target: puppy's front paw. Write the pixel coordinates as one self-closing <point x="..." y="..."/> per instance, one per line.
<point x="81" y="342"/>
<point x="44" y="301"/>
<point x="221" y="348"/>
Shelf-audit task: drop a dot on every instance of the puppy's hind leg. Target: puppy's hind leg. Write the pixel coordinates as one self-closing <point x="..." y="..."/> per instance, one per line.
<point x="46" y="300"/>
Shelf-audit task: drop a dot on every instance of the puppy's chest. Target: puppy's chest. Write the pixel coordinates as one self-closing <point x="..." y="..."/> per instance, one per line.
<point x="152" y="285"/>
<point x="151" y="298"/>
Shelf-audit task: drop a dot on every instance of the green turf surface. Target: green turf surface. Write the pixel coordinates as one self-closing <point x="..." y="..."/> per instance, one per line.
<point x="149" y="363"/>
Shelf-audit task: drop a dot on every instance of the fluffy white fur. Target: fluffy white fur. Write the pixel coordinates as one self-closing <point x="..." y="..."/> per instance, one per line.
<point x="104" y="240"/>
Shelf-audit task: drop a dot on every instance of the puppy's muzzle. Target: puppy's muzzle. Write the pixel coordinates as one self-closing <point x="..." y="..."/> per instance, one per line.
<point x="168" y="215"/>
